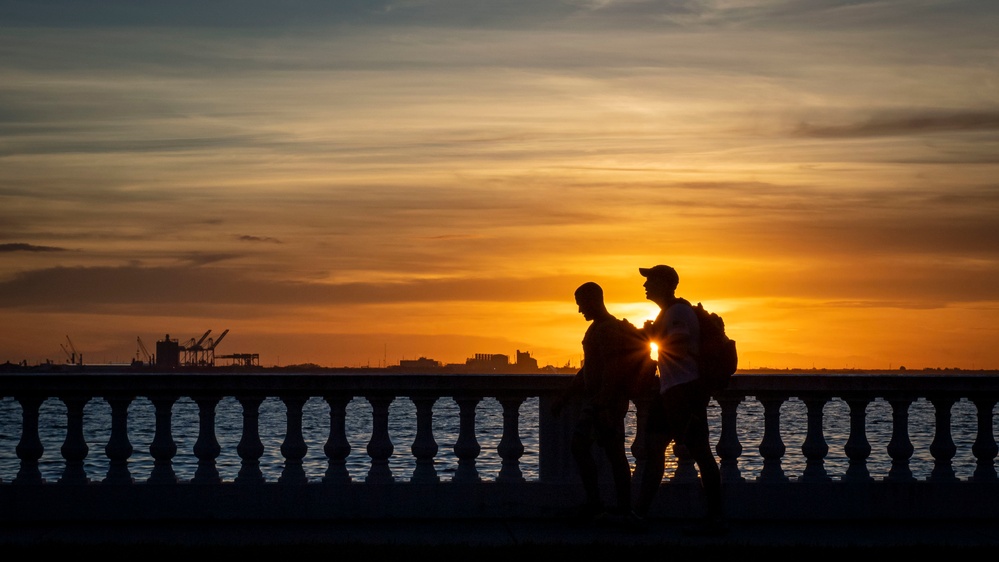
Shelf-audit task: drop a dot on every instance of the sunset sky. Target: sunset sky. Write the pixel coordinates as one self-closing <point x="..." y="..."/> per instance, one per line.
<point x="356" y="183"/>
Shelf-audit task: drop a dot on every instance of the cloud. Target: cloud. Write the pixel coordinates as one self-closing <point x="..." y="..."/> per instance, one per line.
<point x="844" y="277"/>
<point x="906" y="123"/>
<point x="93" y="288"/>
<point x="22" y="247"/>
<point x="262" y="15"/>
<point x="198" y="258"/>
<point x="452" y="237"/>
<point x="187" y="13"/>
<point x="265" y="16"/>
<point x="250" y="238"/>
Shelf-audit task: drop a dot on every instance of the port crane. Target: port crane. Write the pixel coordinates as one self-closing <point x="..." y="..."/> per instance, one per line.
<point x="210" y="348"/>
<point x="193" y="352"/>
<point x="142" y="353"/>
<point x="203" y="338"/>
<point x="198" y="353"/>
<point x="73" y="357"/>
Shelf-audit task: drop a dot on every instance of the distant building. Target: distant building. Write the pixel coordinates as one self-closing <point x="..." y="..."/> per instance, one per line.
<point x="421" y="364"/>
<point x="525" y="362"/>
<point x="488" y="362"/>
<point x="500" y="363"/>
<point x="167" y="352"/>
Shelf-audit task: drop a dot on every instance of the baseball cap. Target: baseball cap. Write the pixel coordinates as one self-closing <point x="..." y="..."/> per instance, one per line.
<point x="661" y="273"/>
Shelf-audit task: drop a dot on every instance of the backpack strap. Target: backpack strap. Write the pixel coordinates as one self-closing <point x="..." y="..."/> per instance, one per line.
<point x="678" y="300"/>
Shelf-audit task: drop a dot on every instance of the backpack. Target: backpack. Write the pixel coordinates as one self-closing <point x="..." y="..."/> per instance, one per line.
<point x="718" y="359"/>
<point x="638" y="368"/>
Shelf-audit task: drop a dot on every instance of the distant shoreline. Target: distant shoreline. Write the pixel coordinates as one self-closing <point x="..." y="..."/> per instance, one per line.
<point x="511" y="370"/>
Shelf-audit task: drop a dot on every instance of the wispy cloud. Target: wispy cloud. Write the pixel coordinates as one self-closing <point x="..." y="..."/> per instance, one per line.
<point x="910" y="123"/>
<point x="92" y="288"/>
<point x="22" y="247"/>
<point x="266" y="239"/>
<point x="206" y="258"/>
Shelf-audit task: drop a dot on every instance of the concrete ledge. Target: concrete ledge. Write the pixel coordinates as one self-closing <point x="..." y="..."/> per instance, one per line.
<point x="528" y="500"/>
<point x="507" y="536"/>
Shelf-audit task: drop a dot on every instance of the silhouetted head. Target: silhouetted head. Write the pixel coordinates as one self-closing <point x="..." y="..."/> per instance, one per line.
<point x="660" y="282"/>
<point x="590" y="298"/>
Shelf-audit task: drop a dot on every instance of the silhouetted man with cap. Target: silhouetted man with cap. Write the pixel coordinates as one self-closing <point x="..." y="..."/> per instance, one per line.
<point x="679" y="413"/>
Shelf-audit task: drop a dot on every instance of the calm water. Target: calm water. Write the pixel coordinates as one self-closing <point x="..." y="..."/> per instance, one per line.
<point x="402" y="432"/>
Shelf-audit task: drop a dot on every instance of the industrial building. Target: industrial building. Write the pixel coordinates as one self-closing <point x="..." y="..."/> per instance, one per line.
<point x="171" y="353"/>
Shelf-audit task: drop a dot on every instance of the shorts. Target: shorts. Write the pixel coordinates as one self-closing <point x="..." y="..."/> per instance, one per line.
<point x="680" y="414"/>
<point x="600" y="425"/>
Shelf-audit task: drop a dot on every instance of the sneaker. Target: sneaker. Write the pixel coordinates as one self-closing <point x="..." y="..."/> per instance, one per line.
<point x="607" y="518"/>
<point x="635" y="523"/>
<point x="628" y="521"/>
<point x="587" y="513"/>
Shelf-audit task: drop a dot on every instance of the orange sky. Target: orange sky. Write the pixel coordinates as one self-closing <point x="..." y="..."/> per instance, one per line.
<point x="356" y="186"/>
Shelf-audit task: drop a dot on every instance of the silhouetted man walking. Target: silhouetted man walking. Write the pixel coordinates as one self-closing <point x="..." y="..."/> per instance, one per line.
<point x="679" y="413"/>
<point x="605" y="404"/>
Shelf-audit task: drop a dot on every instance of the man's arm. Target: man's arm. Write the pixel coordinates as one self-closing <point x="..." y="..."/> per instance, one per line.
<point x="573" y="389"/>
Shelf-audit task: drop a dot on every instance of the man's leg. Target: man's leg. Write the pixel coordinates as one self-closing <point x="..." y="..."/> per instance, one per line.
<point x="652" y="476"/>
<point x="698" y="443"/>
<point x="621" y="473"/>
<point x="657" y="438"/>
<point x="700" y="449"/>
<point x="582" y="452"/>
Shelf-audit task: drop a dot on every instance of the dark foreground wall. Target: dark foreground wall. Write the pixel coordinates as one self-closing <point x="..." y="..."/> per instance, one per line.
<point x="813" y="495"/>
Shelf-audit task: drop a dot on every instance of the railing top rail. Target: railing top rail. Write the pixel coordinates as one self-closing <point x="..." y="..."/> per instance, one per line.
<point x="284" y="383"/>
<point x="876" y="383"/>
<point x="360" y="383"/>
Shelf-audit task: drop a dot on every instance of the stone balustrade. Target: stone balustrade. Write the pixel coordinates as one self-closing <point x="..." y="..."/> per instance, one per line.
<point x="773" y="493"/>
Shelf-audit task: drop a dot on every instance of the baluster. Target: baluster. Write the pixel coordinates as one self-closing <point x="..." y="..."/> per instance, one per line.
<point x="555" y="463"/>
<point x="815" y="447"/>
<point x="206" y="448"/>
<point x="729" y="449"/>
<point x="686" y="469"/>
<point x="857" y="447"/>
<point x="942" y="448"/>
<point x="293" y="448"/>
<point x="772" y="447"/>
<point x="424" y="445"/>
<point x="510" y="447"/>
<point x="337" y="448"/>
<point x="900" y="447"/>
<point x="250" y="448"/>
<point x="119" y="448"/>
<point x="639" y="447"/>
<point x="163" y="448"/>
<point x="74" y="449"/>
<point x="29" y="449"/>
<point x="466" y="448"/>
<point x="380" y="446"/>
<point x="985" y="448"/>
